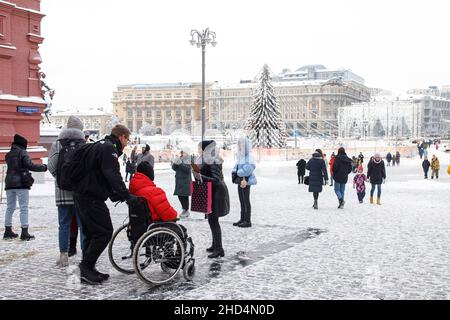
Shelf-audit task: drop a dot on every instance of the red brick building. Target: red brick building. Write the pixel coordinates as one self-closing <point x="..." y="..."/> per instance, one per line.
<point x="21" y="104"/>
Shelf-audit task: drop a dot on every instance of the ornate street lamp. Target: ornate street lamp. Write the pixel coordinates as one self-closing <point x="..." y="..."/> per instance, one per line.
<point x="201" y="39"/>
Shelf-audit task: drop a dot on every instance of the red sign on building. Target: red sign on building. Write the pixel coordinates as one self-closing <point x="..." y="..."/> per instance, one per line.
<point x="21" y="103"/>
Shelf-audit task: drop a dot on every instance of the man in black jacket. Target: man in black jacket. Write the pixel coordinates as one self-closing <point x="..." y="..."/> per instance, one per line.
<point x="17" y="186"/>
<point x="102" y="180"/>
<point x="341" y="169"/>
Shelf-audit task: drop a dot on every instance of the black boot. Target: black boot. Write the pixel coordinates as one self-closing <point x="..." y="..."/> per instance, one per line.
<point x="104" y="276"/>
<point x="245" y="224"/>
<point x="316" y="205"/>
<point x="72" y="246"/>
<point x="217" y="253"/>
<point x="240" y="220"/>
<point x="9" y="234"/>
<point x="89" y="275"/>
<point x="211" y="249"/>
<point x="25" y="236"/>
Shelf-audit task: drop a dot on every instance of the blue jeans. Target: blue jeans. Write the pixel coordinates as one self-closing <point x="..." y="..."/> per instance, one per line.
<point x="12" y="195"/>
<point x="65" y="214"/>
<point x="373" y="190"/>
<point x="339" y="189"/>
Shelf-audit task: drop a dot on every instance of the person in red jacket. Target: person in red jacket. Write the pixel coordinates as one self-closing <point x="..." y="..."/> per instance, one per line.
<point x="142" y="185"/>
<point x="333" y="157"/>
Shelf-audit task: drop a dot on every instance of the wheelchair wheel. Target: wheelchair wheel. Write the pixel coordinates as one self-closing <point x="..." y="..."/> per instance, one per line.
<point x="158" y="256"/>
<point x="120" y="251"/>
<point x="189" y="270"/>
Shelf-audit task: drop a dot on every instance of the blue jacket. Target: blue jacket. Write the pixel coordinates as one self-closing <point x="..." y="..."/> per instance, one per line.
<point x="245" y="164"/>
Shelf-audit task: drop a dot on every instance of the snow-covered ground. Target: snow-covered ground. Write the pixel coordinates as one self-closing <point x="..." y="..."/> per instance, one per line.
<point x="399" y="250"/>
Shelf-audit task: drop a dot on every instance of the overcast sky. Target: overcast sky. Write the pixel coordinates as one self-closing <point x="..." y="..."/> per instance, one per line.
<point x="91" y="47"/>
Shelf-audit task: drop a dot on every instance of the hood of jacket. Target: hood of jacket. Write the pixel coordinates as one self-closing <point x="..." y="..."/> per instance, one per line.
<point x="71" y="134"/>
<point x="140" y="181"/>
<point x="116" y="142"/>
<point x="317" y="156"/>
<point x="243" y="154"/>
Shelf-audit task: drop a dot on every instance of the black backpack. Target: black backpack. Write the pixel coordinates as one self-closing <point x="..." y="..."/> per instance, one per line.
<point x="140" y="219"/>
<point x="71" y="150"/>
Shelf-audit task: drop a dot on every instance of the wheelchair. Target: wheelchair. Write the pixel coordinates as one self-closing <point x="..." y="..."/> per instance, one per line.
<point x="155" y="251"/>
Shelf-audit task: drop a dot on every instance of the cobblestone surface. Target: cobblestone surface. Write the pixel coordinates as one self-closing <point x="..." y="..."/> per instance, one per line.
<point x="399" y="250"/>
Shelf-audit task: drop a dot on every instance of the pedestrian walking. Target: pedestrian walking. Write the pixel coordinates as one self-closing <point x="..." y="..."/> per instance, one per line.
<point x="317" y="175"/>
<point x="100" y="180"/>
<point x="69" y="138"/>
<point x="130" y="169"/>
<point x="397" y="158"/>
<point x="332" y="159"/>
<point x="146" y="156"/>
<point x="183" y="178"/>
<point x="133" y="155"/>
<point x="211" y="171"/>
<point x="354" y="164"/>
<point x="342" y="167"/>
<point x="124" y="159"/>
<point x="389" y="159"/>
<point x="301" y="168"/>
<point x="359" y="183"/>
<point x="394" y="160"/>
<point x="435" y="167"/>
<point x="426" y="166"/>
<point x="18" y="183"/>
<point x="360" y="159"/>
<point x="243" y="175"/>
<point x="376" y="174"/>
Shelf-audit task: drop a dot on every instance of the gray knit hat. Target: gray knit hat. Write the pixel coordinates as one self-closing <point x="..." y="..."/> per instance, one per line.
<point x="75" y="123"/>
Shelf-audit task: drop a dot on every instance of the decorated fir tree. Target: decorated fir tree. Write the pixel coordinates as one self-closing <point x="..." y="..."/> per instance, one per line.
<point x="265" y="128"/>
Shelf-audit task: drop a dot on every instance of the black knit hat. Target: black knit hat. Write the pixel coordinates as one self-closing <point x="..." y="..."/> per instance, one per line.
<point x="147" y="148"/>
<point x="206" y="143"/>
<point x="145" y="168"/>
<point x="21" y="141"/>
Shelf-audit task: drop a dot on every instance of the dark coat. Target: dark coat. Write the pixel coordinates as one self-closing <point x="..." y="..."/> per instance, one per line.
<point x="220" y="195"/>
<point x="19" y="161"/>
<point x="376" y="172"/>
<point x="183" y="178"/>
<point x="426" y="165"/>
<point x="317" y="172"/>
<point x="130" y="167"/>
<point x="102" y="178"/>
<point x="389" y="157"/>
<point x="342" y="167"/>
<point x="301" y="167"/>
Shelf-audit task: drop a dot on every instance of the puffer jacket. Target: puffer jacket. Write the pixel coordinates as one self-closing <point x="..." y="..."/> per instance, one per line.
<point x="245" y="164"/>
<point x="183" y="177"/>
<point x="435" y="165"/>
<point x="317" y="172"/>
<point x="143" y="186"/>
<point x="376" y="172"/>
<point x="220" y="196"/>
<point x="19" y="161"/>
<point x="62" y="197"/>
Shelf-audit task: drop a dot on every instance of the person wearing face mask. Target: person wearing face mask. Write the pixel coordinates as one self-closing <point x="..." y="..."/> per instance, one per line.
<point x="376" y="174"/>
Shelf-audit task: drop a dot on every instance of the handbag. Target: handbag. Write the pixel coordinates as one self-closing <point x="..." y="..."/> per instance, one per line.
<point x="26" y="179"/>
<point x="235" y="178"/>
<point x="306" y="180"/>
<point x="201" y="193"/>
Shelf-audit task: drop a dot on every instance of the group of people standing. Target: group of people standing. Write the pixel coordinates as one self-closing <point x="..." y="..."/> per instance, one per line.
<point x="340" y="168"/>
<point x="101" y="179"/>
<point x="393" y="158"/>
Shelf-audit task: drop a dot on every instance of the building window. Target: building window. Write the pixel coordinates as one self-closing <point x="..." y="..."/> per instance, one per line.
<point x="149" y="113"/>
<point x="130" y="113"/>
<point x="130" y="124"/>
<point x="139" y="113"/>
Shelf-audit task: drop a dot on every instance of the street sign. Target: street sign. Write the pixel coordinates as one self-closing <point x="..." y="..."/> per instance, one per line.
<point x="28" y="110"/>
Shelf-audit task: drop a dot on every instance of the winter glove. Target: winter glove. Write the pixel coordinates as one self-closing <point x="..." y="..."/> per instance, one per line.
<point x="132" y="200"/>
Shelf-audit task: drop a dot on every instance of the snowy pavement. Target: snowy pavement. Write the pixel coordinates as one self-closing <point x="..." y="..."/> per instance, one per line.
<point x="399" y="250"/>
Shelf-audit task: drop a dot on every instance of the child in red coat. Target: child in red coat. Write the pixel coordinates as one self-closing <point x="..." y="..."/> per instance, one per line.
<point x="142" y="185"/>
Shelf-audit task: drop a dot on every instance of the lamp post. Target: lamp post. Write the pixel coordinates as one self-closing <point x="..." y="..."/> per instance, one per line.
<point x="201" y="39"/>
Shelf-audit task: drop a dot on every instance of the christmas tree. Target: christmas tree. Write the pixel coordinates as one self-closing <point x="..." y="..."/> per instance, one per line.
<point x="265" y="128"/>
